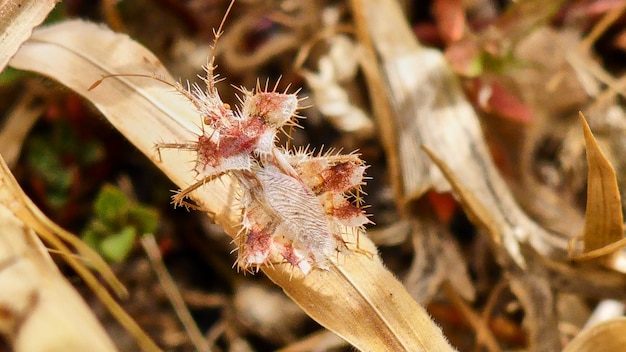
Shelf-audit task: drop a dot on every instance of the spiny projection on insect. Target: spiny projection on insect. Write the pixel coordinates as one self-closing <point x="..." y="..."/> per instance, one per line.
<point x="295" y="204"/>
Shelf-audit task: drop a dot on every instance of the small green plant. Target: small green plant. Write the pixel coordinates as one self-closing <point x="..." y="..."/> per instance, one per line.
<point x="116" y="222"/>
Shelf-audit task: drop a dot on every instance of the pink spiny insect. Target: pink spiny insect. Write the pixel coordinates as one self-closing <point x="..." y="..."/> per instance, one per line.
<point x="294" y="204"/>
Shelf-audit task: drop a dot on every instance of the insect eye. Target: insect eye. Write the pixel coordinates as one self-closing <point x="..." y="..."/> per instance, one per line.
<point x="214" y="117"/>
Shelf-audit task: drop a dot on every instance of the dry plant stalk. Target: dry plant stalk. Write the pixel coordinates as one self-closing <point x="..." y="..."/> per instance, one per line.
<point x="173" y="293"/>
<point x="353" y="288"/>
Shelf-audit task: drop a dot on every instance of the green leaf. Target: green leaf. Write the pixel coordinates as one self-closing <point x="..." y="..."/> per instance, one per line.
<point x="110" y="205"/>
<point x="145" y="219"/>
<point x="91" y="238"/>
<point x="10" y="75"/>
<point x="46" y="163"/>
<point x="116" y="247"/>
<point x="91" y="152"/>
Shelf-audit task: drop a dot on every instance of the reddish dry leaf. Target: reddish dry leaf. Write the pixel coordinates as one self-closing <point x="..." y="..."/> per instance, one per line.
<point x="620" y="41"/>
<point x="505" y="103"/>
<point x="450" y="18"/>
<point x="443" y="204"/>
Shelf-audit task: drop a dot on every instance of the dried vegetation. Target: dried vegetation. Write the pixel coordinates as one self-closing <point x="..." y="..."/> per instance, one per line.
<point x="494" y="134"/>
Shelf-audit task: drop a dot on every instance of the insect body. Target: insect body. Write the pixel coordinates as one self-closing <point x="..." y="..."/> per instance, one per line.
<point x="294" y="204"/>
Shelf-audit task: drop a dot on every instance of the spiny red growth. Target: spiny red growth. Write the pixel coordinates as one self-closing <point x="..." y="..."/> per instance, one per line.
<point x="294" y="206"/>
<point x="219" y="115"/>
<point x="255" y="244"/>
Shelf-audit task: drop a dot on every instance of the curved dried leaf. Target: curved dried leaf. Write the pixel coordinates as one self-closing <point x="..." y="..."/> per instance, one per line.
<point x="603" y="234"/>
<point x="17" y="20"/>
<point x="607" y="336"/>
<point x="357" y="298"/>
<point x="35" y="297"/>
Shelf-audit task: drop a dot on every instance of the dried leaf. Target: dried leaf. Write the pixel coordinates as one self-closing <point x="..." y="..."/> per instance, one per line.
<point x="17" y="20"/>
<point x="403" y="171"/>
<point x="18" y="124"/>
<point x="40" y="310"/>
<point x="450" y="18"/>
<point x="605" y="337"/>
<point x="476" y="209"/>
<point x="356" y="288"/>
<point x="603" y="234"/>
<point x="432" y="111"/>
<point x="437" y="259"/>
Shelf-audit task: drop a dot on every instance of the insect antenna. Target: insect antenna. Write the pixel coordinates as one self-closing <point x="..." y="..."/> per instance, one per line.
<point x="210" y="68"/>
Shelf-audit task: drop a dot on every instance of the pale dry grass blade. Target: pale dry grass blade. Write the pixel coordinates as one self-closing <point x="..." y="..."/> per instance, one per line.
<point x="430" y="109"/>
<point x="430" y="112"/>
<point x="361" y="301"/>
<point x="18" y="123"/>
<point x="17" y="20"/>
<point x="357" y="298"/>
<point x="385" y="35"/>
<point x="173" y="294"/>
<point x="40" y="310"/>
